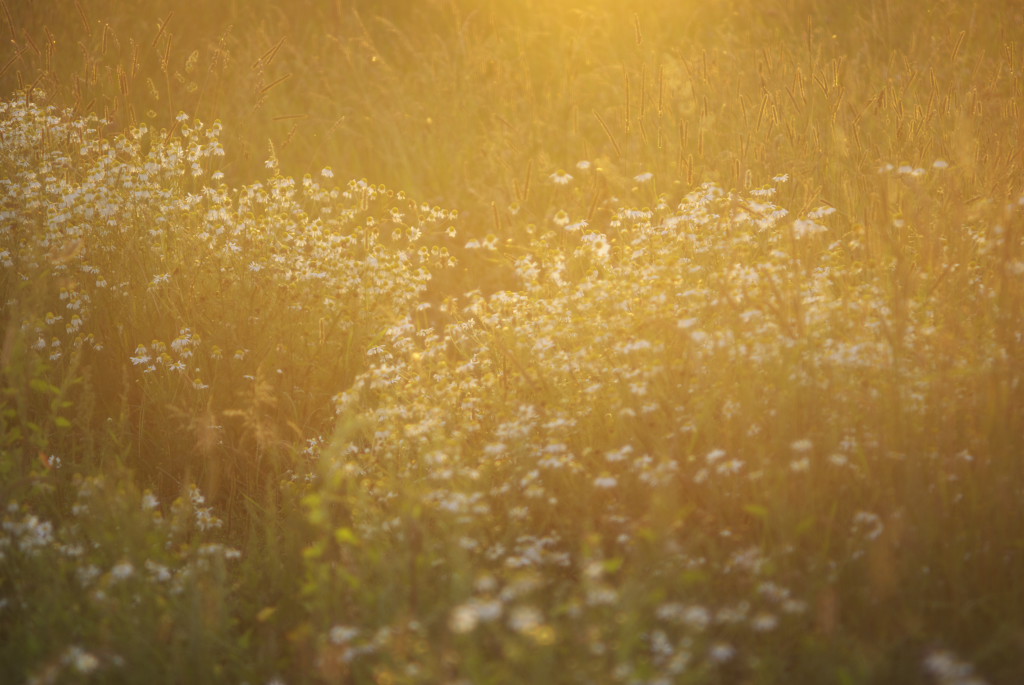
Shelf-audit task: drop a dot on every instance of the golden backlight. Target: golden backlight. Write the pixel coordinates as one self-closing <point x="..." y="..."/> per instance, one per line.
<point x="458" y="341"/>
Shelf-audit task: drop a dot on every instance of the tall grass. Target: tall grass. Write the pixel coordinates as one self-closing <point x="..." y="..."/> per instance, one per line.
<point x="676" y="343"/>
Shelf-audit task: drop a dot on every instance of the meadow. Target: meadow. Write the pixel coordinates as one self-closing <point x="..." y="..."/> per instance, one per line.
<point x="469" y="341"/>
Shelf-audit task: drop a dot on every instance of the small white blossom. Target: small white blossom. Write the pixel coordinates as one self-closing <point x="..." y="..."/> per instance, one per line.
<point x="122" y="571"/>
<point x="561" y="177"/>
<point x="721" y="652"/>
<point x="339" y="634"/>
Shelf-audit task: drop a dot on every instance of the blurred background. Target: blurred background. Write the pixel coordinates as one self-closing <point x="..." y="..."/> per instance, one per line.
<point x="472" y="104"/>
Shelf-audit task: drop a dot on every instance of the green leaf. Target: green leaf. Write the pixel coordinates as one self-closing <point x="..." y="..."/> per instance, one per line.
<point x="39" y="385"/>
<point x="612" y="565"/>
<point x="61" y="422"/>
<point x="756" y="510"/>
<point x="314" y="551"/>
<point x="345" y="536"/>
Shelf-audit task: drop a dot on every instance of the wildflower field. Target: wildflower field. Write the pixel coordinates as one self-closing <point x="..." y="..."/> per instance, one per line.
<point x="509" y="341"/>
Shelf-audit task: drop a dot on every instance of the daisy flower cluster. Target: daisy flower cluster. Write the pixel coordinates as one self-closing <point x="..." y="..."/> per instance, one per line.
<point x="119" y="561"/>
<point x="132" y="255"/>
<point x="637" y="429"/>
